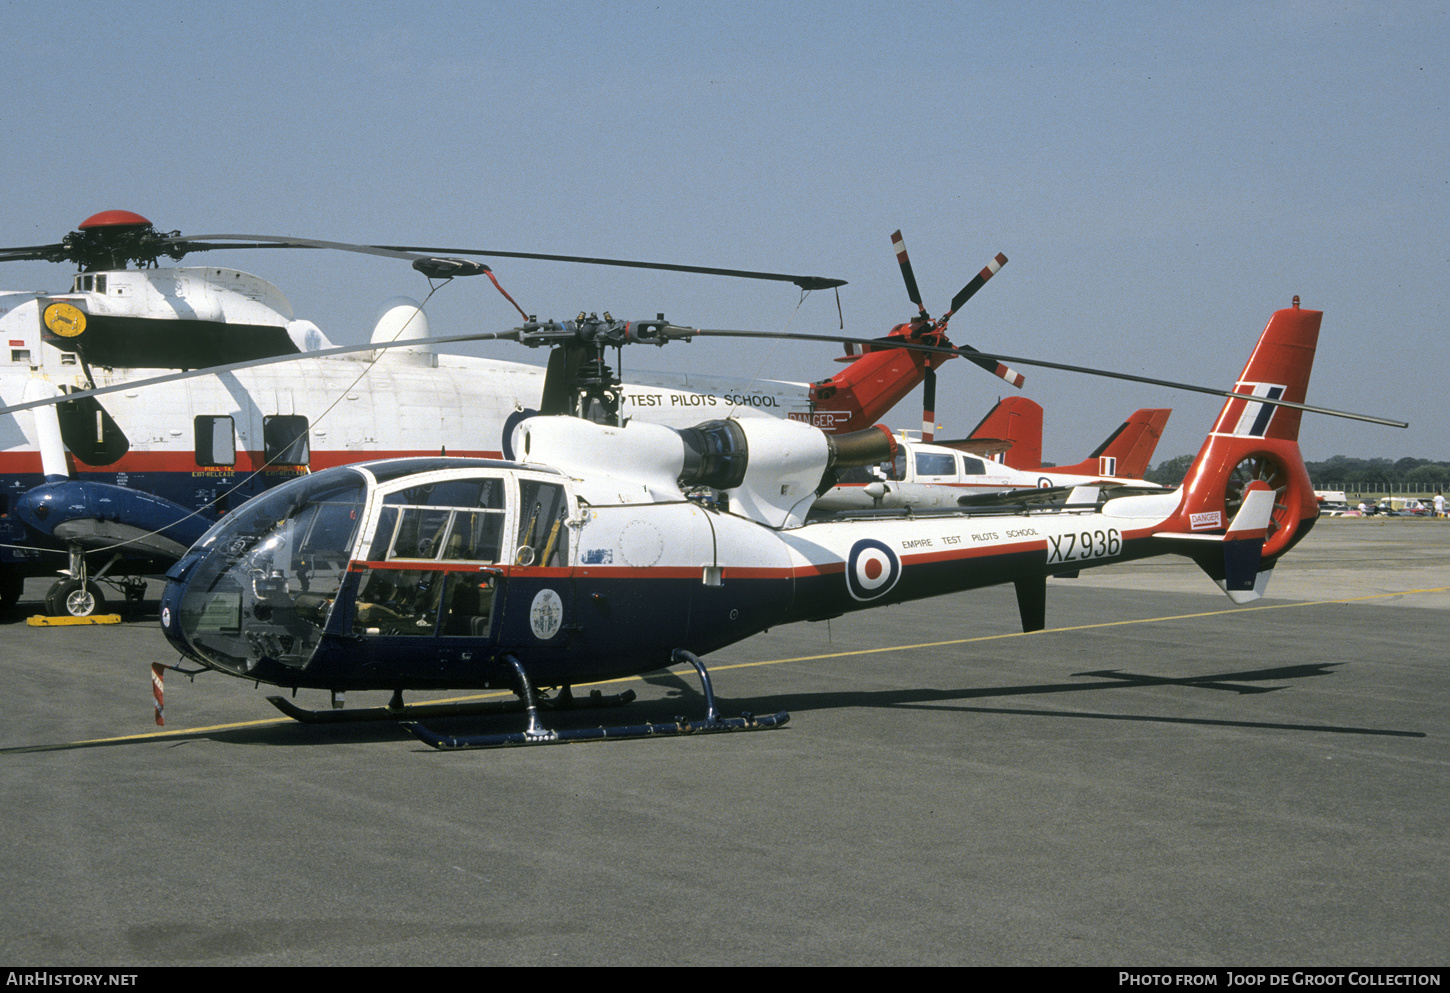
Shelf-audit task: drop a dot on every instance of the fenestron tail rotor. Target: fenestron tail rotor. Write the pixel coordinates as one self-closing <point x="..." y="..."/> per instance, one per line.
<point x="1258" y="468"/>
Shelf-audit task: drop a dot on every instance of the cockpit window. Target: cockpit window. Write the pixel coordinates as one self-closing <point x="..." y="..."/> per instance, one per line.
<point x="484" y="492"/>
<point x="459" y="520"/>
<point x="272" y="571"/>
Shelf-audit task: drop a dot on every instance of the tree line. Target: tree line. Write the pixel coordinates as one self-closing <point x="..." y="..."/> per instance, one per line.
<point x="1339" y="472"/>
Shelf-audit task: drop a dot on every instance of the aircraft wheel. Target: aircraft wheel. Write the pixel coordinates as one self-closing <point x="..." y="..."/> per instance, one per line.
<point x="71" y="597"/>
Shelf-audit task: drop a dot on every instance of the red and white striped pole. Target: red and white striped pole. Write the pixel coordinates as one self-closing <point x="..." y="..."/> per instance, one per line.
<point x="158" y="692"/>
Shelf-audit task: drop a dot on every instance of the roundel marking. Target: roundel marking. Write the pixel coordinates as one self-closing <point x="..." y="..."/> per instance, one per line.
<point x="872" y="569"/>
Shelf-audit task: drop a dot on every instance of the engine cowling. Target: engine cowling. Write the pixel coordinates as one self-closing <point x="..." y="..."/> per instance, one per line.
<point x="770" y="470"/>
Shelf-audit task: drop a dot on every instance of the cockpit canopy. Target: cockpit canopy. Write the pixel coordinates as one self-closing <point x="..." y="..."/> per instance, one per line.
<point x="396" y="548"/>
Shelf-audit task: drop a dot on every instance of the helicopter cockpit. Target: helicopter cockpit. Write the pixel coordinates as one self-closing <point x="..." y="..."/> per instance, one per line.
<point x="262" y="582"/>
<point x="403" y="549"/>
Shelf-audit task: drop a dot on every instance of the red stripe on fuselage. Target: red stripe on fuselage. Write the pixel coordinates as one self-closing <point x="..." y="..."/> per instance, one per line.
<point x="134" y="461"/>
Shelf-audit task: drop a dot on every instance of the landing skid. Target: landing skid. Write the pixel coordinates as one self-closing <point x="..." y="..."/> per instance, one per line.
<point x="537" y="734"/>
<point x="745" y="722"/>
<point x="397" y="711"/>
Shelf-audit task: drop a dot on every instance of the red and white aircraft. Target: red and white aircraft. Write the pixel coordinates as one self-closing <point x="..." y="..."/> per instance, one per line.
<point x="1001" y="456"/>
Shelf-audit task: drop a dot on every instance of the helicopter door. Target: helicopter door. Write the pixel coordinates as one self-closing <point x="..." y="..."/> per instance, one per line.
<point x="431" y="567"/>
<point x="539" y="605"/>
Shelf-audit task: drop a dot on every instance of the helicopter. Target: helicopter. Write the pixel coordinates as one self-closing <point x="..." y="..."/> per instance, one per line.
<point x="122" y="486"/>
<point x="609" y="550"/>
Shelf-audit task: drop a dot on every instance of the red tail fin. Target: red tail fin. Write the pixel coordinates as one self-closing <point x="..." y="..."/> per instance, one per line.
<point x="1258" y="441"/>
<point x="1129" y="449"/>
<point x="1017" y="422"/>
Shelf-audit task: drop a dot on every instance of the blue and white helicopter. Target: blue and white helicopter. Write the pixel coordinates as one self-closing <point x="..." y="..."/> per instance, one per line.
<point x="610" y="549"/>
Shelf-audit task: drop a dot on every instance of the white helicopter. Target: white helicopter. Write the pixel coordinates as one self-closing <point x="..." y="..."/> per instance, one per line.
<point x="122" y="477"/>
<point x="610" y="550"/>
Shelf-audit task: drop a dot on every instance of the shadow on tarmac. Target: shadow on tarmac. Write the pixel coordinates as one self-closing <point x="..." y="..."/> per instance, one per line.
<point x="684" y="696"/>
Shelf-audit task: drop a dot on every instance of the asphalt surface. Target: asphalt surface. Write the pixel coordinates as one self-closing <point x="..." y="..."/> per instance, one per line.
<point x="1160" y="778"/>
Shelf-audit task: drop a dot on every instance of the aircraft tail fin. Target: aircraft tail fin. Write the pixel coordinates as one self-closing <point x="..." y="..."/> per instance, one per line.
<point x="1249" y="476"/>
<point x="1017" y="423"/>
<point x="1127" y="451"/>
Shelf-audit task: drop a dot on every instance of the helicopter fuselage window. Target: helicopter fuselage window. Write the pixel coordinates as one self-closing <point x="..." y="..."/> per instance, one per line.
<point x="284" y="439"/>
<point x="399" y="601"/>
<point x="458" y="520"/>
<point x="974" y="467"/>
<point x="215" y="440"/>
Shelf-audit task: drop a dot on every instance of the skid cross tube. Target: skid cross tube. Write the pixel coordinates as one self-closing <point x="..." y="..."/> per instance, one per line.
<point x="537" y="734"/>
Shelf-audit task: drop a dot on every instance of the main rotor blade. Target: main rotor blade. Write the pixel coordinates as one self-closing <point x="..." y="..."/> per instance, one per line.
<point x="140" y="384"/>
<point x="29" y="253"/>
<point x="196" y="243"/>
<point x="912" y="292"/>
<point x="978" y="281"/>
<point x="928" y="405"/>
<point x="990" y="363"/>
<point x="413" y="253"/>
<point x="804" y="282"/>
<point x="970" y="353"/>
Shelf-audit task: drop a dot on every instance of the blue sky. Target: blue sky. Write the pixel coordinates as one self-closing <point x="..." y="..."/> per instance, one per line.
<point x="1163" y="176"/>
